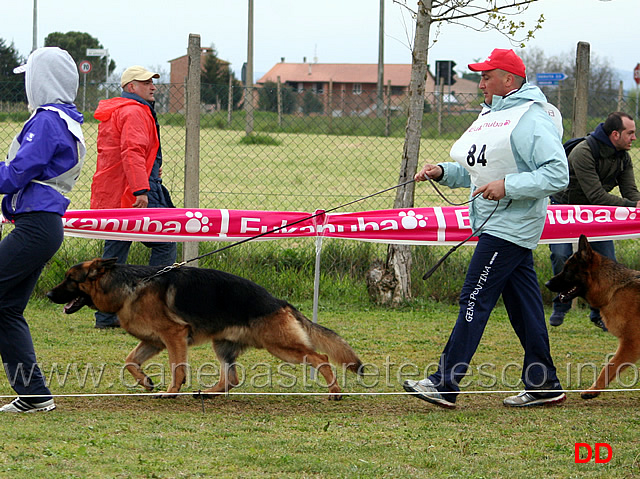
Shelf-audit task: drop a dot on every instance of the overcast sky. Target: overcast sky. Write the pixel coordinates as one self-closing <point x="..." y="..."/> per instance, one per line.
<point x="329" y="31"/>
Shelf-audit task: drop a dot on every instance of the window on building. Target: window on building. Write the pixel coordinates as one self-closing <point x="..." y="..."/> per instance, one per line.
<point x="357" y="88"/>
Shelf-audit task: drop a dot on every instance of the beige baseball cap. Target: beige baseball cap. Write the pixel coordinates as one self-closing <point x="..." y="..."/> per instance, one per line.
<point x="138" y="73"/>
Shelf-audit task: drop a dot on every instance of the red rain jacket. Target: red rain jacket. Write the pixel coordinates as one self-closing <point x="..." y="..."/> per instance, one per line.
<point x="127" y="147"/>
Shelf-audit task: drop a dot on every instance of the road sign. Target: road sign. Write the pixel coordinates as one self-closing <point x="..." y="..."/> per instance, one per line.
<point x="543" y="79"/>
<point x="97" y="52"/>
<point x="85" y="66"/>
<point x="636" y="74"/>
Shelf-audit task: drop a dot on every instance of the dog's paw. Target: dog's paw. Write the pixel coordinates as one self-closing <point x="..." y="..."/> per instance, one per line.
<point x="589" y="394"/>
<point x="167" y="395"/>
<point x="147" y="383"/>
<point x="335" y="397"/>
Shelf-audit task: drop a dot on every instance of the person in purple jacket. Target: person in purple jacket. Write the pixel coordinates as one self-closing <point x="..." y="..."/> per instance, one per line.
<point x="43" y="163"/>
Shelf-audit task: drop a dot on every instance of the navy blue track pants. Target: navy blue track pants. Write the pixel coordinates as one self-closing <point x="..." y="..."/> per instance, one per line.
<point x="23" y="253"/>
<point x="498" y="267"/>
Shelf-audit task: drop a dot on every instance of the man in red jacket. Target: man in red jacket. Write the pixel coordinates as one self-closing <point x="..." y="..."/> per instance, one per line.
<point x="129" y="167"/>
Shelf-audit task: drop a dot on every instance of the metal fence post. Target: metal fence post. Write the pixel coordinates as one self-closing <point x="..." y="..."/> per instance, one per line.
<point x="192" y="138"/>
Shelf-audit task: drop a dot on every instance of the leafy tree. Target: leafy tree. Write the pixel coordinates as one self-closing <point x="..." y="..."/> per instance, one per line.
<point x="214" y="82"/>
<point x="475" y="14"/>
<point x="311" y="103"/>
<point x="76" y="43"/>
<point x="11" y="85"/>
<point x="268" y="98"/>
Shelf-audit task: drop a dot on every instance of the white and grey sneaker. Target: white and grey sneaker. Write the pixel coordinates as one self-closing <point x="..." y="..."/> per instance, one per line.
<point x="426" y="390"/>
<point x="18" y="405"/>
<point x="528" y="399"/>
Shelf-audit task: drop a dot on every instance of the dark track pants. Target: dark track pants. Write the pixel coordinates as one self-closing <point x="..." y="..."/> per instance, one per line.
<point x="23" y="254"/>
<point x="498" y="267"/>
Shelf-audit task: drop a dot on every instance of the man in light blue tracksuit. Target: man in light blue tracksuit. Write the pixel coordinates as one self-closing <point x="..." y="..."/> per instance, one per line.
<point x="513" y="155"/>
<point x="43" y="163"/>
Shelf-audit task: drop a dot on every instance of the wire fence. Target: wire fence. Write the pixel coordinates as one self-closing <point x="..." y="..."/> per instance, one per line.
<point x="305" y="150"/>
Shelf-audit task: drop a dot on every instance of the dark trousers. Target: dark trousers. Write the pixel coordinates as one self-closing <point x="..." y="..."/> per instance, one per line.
<point x="498" y="267"/>
<point x="162" y="254"/>
<point x="23" y="253"/>
<point x="560" y="254"/>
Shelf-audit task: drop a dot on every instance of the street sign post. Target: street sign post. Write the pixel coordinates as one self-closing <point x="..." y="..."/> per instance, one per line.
<point x="100" y="52"/>
<point x="84" y="67"/>
<point x="545" y="79"/>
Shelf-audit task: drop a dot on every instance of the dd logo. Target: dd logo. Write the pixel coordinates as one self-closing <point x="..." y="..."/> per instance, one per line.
<point x="592" y="453"/>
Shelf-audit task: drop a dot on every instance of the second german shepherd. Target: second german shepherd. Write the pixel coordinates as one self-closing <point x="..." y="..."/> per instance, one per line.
<point x="185" y="306"/>
<point x="615" y="291"/>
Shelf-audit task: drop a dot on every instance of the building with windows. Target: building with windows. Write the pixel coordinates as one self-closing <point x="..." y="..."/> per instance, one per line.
<point x="351" y="88"/>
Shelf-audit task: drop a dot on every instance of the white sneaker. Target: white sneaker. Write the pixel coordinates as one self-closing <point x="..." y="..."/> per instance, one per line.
<point x="527" y="399"/>
<point x="18" y="405"/>
<point x="427" y="391"/>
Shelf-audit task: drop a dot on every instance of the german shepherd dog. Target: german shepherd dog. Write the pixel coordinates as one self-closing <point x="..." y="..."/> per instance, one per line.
<point x="185" y="306"/>
<point x="615" y="291"/>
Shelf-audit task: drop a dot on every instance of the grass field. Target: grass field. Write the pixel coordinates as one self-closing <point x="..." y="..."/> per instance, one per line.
<point x="384" y="434"/>
<point x="270" y="432"/>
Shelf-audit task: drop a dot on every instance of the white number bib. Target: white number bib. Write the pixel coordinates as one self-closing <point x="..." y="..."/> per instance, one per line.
<point x="484" y="150"/>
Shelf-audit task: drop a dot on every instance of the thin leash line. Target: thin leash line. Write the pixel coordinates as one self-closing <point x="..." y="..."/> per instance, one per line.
<point x="275" y="230"/>
<point x="315" y="215"/>
<point x="342" y="393"/>
<point x="428" y="274"/>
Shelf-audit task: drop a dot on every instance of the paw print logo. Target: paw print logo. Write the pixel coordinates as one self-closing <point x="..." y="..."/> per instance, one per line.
<point x="197" y="223"/>
<point x="625" y="213"/>
<point x="410" y="220"/>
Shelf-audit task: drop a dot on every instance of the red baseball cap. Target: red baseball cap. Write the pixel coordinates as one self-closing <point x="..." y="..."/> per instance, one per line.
<point x="501" y="59"/>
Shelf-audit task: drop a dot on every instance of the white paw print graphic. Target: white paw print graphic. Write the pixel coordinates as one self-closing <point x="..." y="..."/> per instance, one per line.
<point x="410" y="220"/>
<point x="625" y="213"/>
<point x="197" y="223"/>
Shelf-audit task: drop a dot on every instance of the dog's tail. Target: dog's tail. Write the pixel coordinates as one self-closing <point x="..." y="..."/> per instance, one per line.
<point x="330" y="343"/>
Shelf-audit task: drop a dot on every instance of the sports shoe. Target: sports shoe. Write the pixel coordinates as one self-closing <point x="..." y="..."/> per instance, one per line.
<point x="556" y="318"/>
<point x="427" y="391"/>
<point x="115" y="324"/>
<point x="18" y="405"/>
<point x="529" y="399"/>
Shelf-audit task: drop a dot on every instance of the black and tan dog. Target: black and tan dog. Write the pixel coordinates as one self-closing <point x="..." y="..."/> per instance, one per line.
<point x="186" y="306"/>
<point x="615" y="291"/>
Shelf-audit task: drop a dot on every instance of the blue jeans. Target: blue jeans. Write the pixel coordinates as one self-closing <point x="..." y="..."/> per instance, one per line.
<point x="498" y="267"/>
<point x="560" y="253"/>
<point x="162" y="254"/>
<point x="23" y="253"/>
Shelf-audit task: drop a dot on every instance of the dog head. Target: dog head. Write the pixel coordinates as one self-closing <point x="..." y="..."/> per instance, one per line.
<point x="76" y="289"/>
<point x="573" y="280"/>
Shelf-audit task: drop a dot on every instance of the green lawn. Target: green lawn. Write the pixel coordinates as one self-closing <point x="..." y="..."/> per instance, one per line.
<point x="270" y="432"/>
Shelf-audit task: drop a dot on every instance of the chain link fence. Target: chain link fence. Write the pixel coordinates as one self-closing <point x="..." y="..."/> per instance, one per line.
<point x="305" y="150"/>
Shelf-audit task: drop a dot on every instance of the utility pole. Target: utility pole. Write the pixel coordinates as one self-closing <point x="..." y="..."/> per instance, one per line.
<point x="35" y="25"/>
<point x="380" y="90"/>
<point x="248" y="92"/>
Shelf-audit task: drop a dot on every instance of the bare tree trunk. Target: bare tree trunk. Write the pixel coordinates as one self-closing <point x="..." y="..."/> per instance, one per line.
<point x="394" y="282"/>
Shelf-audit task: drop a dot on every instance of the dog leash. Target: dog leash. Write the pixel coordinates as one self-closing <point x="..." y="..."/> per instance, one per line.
<point x="428" y="274"/>
<point x="246" y="240"/>
<point x="168" y="268"/>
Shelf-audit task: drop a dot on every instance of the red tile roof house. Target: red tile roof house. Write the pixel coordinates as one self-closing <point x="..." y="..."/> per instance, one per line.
<point x="178" y="77"/>
<point x="351" y="88"/>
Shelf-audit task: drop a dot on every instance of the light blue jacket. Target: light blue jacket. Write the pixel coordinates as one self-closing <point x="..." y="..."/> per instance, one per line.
<point x="542" y="171"/>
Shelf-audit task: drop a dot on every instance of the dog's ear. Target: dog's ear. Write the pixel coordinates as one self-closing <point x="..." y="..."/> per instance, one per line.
<point x="584" y="248"/>
<point x="99" y="266"/>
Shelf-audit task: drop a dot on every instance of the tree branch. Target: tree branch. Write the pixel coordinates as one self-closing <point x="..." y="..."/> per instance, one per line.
<point x="441" y="18"/>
